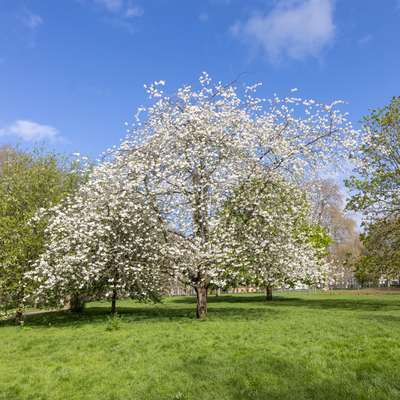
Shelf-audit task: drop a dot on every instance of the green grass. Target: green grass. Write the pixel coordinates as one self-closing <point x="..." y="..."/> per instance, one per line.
<point x="300" y="346"/>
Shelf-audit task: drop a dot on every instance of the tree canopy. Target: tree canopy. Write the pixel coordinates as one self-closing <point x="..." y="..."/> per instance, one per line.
<point x="269" y="238"/>
<point x="184" y="158"/>
<point x="29" y="181"/>
<point x="376" y="184"/>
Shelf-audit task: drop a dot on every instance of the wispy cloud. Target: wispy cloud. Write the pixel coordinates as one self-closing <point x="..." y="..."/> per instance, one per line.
<point x="365" y="40"/>
<point x="111" y="5"/>
<point x="30" y="131"/>
<point x="293" y="28"/>
<point x="30" y="23"/>
<point x="31" y="20"/>
<point x="120" y="8"/>
<point x="118" y="13"/>
<point x="134" y="11"/>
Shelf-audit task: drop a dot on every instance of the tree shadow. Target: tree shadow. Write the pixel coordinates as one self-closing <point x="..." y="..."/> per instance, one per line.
<point x="225" y="307"/>
<point x="135" y="314"/>
<point x="236" y="298"/>
<point x="366" y="304"/>
<point x="341" y="304"/>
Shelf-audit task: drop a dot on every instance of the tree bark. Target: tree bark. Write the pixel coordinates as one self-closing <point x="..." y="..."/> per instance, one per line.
<point x="201" y="309"/>
<point x="76" y="303"/>
<point x="19" y="313"/>
<point x="114" y="302"/>
<point x="268" y="291"/>
<point x="19" y="316"/>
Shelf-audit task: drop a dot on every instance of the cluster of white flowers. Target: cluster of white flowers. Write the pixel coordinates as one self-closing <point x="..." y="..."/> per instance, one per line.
<point x="265" y="229"/>
<point x="100" y="241"/>
<point x="155" y="205"/>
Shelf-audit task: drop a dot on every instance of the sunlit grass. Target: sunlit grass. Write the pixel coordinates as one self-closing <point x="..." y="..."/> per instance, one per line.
<point x="300" y="346"/>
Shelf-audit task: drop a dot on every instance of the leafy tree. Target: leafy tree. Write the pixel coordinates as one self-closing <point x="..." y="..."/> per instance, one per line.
<point x="376" y="187"/>
<point x="29" y="181"/>
<point x="328" y="211"/>
<point x="318" y="237"/>
<point x="377" y="179"/>
<point x="366" y="272"/>
<point x="381" y="256"/>
<point x="268" y="236"/>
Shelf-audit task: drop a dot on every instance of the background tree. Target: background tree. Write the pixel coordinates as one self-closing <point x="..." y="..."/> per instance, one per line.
<point x="380" y="262"/>
<point x="376" y="184"/>
<point x="376" y="192"/>
<point x="269" y="238"/>
<point x="328" y="211"/>
<point x="29" y="181"/>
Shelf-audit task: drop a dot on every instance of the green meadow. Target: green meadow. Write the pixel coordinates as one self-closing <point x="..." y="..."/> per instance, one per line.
<point x="336" y="345"/>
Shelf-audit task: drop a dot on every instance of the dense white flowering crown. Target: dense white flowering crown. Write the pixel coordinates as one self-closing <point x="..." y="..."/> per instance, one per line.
<point x="155" y="204"/>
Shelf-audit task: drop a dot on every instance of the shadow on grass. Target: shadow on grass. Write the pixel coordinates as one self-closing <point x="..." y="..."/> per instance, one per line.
<point x="225" y="307"/>
<point x="228" y="298"/>
<point x="155" y="313"/>
<point x="355" y="303"/>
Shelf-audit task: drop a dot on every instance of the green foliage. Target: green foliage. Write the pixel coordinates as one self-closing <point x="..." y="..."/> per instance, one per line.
<point x="367" y="271"/>
<point x="377" y="180"/>
<point x="298" y="347"/>
<point x="29" y="181"/>
<point x="318" y="237"/>
<point x="269" y="210"/>
<point x="376" y="187"/>
<point x="381" y="253"/>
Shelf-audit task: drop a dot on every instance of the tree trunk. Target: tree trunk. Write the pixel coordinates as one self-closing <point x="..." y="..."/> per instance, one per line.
<point x="19" y="313"/>
<point x="76" y="303"/>
<point x="19" y="316"/>
<point x="201" y="309"/>
<point x="268" y="291"/>
<point x="114" y="302"/>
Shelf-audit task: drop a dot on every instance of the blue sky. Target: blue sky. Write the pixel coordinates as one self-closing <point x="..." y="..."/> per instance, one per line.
<point x="72" y="71"/>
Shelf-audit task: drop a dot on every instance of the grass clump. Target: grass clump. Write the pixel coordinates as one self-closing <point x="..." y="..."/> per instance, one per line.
<point x="113" y="323"/>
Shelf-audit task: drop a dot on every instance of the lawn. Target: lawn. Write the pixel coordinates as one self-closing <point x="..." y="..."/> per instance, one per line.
<point x="342" y="345"/>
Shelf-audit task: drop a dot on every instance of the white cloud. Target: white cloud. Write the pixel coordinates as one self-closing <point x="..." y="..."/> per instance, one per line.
<point x="293" y="28"/>
<point x="134" y="11"/>
<point x="121" y="8"/>
<point x="31" y="20"/>
<point x="30" y="131"/>
<point x="119" y="13"/>
<point x="111" y="5"/>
